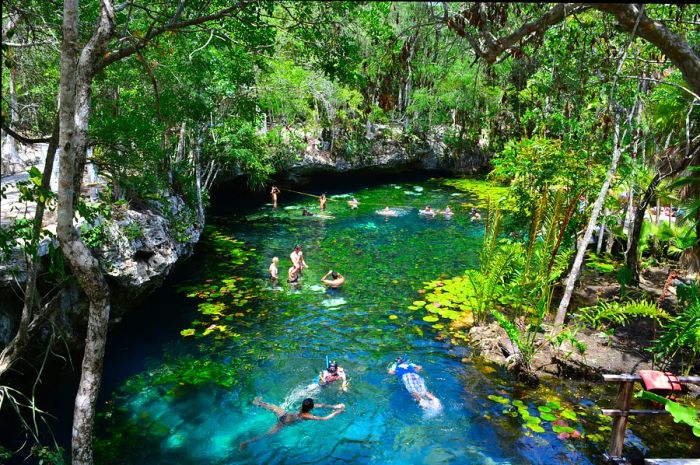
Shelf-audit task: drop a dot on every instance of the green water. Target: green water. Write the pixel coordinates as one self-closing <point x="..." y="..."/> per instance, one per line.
<point x="190" y="402"/>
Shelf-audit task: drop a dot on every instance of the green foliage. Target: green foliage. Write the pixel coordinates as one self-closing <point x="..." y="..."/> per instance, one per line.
<point x="49" y="455"/>
<point x="602" y="264"/>
<point x="680" y="413"/>
<point x="681" y="336"/>
<point x="615" y="313"/>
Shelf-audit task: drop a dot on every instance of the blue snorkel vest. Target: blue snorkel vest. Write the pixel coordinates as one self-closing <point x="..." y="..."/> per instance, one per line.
<point x="403" y="368"/>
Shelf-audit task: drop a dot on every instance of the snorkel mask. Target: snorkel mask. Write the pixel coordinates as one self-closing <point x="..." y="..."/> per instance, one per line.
<point x="332" y="367"/>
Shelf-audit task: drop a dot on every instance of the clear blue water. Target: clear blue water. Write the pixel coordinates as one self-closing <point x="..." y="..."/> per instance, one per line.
<point x="172" y="409"/>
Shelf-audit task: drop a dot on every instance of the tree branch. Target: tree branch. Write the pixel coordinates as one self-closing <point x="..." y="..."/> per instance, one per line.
<point x="23" y="139"/>
<point x="171" y="25"/>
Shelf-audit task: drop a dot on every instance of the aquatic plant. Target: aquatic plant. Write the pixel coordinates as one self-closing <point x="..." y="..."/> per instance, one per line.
<point x="484" y="190"/>
<point x="680" y="413"/>
<point x="563" y="421"/>
<point x="225" y="298"/>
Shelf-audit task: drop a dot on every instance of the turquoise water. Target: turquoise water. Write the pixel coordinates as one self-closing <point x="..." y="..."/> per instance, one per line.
<point x="191" y="401"/>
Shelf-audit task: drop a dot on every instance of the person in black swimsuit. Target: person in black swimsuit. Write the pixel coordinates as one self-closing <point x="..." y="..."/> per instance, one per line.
<point x="285" y="418"/>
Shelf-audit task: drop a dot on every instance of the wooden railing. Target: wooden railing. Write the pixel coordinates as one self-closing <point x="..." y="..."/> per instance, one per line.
<point x="622" y="411"/>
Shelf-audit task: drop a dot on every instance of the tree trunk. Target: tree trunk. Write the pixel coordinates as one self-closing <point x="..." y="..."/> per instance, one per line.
<point x="601" y="232"/>
<point x="14" y="163"/>
<point x="31" y="298"/>
<point x="77" y="73"/>
<point x="631" y="258"/>
<point x="578" y="262"/>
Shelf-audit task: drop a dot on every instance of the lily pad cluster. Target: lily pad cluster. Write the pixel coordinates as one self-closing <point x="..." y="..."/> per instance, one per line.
<point x="483" y="190"/>
<point x="449" y="299"/>
<point x="225" y="298"/>
<point x="566" y="422"/>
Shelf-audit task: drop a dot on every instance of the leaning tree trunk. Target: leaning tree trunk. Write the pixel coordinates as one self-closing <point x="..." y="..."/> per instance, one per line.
<point x="29" y="318"/>
<point x="583" y="245"/>
<point x="74" y="111"/>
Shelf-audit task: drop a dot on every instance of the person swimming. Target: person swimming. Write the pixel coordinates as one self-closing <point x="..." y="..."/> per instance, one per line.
<point x="428" y="211"/>
<point x="332" y="373"/>
<point x="475" y="214"/>
<point x="353" y="203"/>
<point x="285" y="418"/>
<point x="336" y="280"/>
<point x="387" y="212"/>
<point x="448" y="211"/>
<point x="408" y="373"/>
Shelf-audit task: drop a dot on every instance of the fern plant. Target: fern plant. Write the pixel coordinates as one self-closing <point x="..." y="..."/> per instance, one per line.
<point x="682" y="333"/>
<point x="604" y="314"/>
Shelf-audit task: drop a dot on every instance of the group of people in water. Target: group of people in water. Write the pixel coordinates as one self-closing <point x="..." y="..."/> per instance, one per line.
<point x="428" y="211"/>
<point x="332" y="279"/>
<point x="404" y="370"/>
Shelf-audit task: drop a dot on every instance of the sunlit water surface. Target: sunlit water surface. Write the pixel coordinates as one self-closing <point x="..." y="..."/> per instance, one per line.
<point x="277" y="341"/>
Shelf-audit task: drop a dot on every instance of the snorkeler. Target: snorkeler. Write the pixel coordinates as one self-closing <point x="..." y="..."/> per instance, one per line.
<point x="306" y="212"/>
<point x="333" y="372"/>
<point x="408" y="373"/>
<point x="336" y="280"/>
<point x="285" y="418"/>
<point x="353" y="203"/>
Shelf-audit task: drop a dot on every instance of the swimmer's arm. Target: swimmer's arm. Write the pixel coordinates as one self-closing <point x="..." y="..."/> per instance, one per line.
<point x="335" y="407"/>
<point x="308" y="416"/>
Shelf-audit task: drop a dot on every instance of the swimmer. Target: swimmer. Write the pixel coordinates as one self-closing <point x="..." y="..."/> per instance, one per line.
<point x="333" y="373"/>
<point x="293" y="275"/>
<point x="273" y="269"/>
<point x="285" y="418"/>
<point x="273" y="194"/>
<point x="306" y="212"/>
<point x="297" y="257"/>
<point x="475" y="214"/>
<point x="408" y="373"/>
<point x="353" y="203"/>
<point x="387" y="212"/>
<point x="322" y="201"/>
<point x="336" y="280"/>
<point x="427" y="211"/>
<point x="448" y="211"/>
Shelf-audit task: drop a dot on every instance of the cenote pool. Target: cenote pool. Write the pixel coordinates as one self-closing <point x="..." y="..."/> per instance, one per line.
<point x="179" y="391"/>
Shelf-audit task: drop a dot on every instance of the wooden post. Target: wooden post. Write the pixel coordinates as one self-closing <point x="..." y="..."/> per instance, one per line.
<point x="624" y="399"/>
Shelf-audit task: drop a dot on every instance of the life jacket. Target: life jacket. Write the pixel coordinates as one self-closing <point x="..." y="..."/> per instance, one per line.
<point x="404" y="368"/>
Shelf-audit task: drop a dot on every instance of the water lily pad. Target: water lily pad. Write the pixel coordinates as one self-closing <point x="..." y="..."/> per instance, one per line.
<point x="499" y="399"/>
<point x="548" y="416"/>
<point x="430" y="318"/>
<point x="187" y="332"/>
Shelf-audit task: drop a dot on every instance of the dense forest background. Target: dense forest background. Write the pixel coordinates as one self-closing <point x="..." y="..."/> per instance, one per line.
<point x="590" y="106"/>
